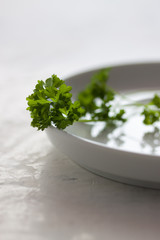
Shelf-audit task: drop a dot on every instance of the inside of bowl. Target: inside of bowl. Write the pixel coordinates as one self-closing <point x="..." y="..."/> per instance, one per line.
<point x="139" y="83"/>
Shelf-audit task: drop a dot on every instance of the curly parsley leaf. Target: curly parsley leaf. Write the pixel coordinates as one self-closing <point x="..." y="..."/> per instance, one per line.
<point x="51" y="102"/>
<point x="96" y="99"/>
<point x="151" y="111"/>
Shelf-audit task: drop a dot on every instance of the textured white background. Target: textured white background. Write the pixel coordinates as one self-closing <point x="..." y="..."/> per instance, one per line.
<point x="43" y="194"/>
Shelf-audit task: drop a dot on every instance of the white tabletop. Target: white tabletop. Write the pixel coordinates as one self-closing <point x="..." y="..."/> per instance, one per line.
<point x="43" y="194"/>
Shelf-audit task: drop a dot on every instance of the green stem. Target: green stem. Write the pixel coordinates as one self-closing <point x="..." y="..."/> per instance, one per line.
<point x="89" y="120"/>
<point x="136" y="104"/>
<point x="133" y="103"/>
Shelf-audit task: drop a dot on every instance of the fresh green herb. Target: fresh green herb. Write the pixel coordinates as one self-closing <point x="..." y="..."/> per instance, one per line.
<point x="151" y="111"/>
<point x="96" y="99"/>
<point x="51" y="103"/>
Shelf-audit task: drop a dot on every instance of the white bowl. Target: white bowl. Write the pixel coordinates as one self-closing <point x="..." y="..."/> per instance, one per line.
<point x="131" y="155"/>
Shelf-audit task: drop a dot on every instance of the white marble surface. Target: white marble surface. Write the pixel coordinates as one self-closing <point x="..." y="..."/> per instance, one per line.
<point x="43" y="194"/>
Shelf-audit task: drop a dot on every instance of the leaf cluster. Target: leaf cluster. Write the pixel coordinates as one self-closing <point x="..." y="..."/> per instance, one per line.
<point x="151" y="111"/>
<point x="96" y="99"/>
<point x="51" y="102"/>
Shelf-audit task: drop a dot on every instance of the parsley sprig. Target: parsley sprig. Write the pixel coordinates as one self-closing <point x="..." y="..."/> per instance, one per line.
<point x="151" y="111"/>
<point x="51" y="103"/>
<point x="97" y="99"/>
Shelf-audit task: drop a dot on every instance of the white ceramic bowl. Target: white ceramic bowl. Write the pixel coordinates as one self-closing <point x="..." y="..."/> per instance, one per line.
<point x="137" y="163"/>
